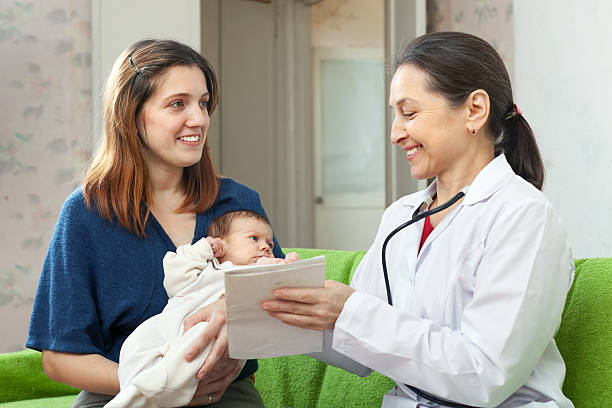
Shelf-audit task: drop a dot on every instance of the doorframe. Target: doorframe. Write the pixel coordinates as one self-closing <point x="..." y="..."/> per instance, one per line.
<point x="294" y="198"/>
<point x="293" y="142"/>
<point x="112" y="32"/>
<point x="404" y="21"/>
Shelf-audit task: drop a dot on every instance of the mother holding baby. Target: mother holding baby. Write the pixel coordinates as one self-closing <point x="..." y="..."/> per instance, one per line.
<point x="150" y="188"/>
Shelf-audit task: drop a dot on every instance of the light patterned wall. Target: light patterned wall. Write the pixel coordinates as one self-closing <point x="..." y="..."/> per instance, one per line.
<point x="489" y="19"/>
<point x="45" y="123"/>
<point x="348" y="23"/>
<point x="45" y="140"/>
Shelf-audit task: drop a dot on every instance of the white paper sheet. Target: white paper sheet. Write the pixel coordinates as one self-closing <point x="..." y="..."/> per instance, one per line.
<point x="252" y="332"/>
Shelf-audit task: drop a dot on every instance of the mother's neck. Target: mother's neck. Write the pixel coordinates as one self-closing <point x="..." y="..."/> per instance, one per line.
<point x="166" y="183"/>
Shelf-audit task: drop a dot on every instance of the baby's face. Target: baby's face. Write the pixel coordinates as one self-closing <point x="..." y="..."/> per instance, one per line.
<point x="248" y="240"/>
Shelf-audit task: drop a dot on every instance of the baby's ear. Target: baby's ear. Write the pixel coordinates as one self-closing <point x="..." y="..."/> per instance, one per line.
<point x="218" y="246"/>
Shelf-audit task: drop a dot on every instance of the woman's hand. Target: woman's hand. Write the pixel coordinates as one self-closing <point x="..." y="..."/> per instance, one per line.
<point x="309" y="308"/>
<point x="218" y="370"/>
<point x="209" y="392"/>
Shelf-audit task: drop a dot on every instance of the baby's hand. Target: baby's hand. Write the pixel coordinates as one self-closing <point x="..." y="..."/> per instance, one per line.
<point x="290" y="257"/>
<point x="217" y="245"/>
<point x="269" y="261"/>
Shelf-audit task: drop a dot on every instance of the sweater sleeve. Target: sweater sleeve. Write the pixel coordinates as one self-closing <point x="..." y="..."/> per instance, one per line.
<point x="181" y="268"/>
<point x="64" y="316"/>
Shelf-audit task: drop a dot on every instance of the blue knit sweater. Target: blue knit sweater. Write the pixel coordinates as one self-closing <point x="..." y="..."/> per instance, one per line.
<point x="100" y="281"/>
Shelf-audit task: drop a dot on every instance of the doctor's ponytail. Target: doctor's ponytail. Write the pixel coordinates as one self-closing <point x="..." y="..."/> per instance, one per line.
<point x="519" y="145"/>
<point x="460" y="63"/>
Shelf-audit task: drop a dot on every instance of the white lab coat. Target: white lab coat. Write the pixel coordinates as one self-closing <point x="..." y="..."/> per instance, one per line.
<point x="475" y="312"/>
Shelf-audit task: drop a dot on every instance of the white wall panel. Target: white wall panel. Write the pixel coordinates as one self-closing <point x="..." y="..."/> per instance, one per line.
<point x="563" y="74"/>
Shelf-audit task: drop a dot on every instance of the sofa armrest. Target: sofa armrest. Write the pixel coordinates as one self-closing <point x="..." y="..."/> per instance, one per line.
<point x="23" y="378"/>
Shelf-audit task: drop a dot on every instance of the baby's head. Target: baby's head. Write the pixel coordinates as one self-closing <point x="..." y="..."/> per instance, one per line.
<point x="247" y="235"/>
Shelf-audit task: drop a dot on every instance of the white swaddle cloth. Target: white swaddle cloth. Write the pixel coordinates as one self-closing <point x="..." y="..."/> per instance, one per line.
<point x="152" y="368"/>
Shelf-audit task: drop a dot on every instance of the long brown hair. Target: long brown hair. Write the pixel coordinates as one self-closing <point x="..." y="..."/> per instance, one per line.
<point x="458" y="64"/>
<point x="117" y="183"/>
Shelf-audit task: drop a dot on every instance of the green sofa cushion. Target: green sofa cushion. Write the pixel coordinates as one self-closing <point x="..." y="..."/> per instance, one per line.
<point x="50" y="402"/>
<point x="23" y="378"/>
<point x="584" y="339"/>
<point x="585" y="336"/>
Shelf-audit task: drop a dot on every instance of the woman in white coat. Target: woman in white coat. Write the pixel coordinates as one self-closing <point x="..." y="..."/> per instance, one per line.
<point x="478" y="289"/>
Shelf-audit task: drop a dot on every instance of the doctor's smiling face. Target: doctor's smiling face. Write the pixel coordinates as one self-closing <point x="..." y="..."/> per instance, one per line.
<point x="434" y="134"/>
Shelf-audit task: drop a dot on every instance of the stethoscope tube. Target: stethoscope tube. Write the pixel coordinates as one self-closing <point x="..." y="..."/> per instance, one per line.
<point x="416" y="216"/>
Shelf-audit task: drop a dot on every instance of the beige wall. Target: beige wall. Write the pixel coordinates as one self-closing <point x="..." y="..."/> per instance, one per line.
<point x="45" y="140"/>
<point x="492" y="20"/>
<point x="348" y="23"/>
<point x="45" y="115"/>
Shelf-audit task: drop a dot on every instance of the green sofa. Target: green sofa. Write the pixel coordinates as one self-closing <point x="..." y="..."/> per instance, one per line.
<point x="585" y="340"/>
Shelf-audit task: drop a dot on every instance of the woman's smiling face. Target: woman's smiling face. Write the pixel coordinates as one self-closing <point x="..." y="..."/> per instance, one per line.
<point x="174" y="120"/>
<point x="431" y="132"/>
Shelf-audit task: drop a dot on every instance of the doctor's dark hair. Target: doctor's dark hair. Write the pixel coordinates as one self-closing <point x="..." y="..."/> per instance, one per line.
<point x="458" y="64"/>
<point x="117" y="182"/>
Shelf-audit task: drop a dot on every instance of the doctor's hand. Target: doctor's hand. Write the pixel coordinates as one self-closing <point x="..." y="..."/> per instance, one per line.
<point x="309" y="308"/>
<point x="218" y="371"/>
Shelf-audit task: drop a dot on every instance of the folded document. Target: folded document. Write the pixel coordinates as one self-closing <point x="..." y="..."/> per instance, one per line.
<point x="252" y="332"/>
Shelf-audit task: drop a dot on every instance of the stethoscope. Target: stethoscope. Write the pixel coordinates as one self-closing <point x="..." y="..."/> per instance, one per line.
<point x="417" y="216"/>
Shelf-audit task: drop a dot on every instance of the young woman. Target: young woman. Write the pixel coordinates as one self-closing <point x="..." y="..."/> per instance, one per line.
<point x="150" y="188"/>
<point x="477" y="289"/>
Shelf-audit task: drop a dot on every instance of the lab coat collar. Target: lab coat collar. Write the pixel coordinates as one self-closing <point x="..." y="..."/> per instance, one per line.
<point x="415" y="199"/>
<point x="487" y="182"/>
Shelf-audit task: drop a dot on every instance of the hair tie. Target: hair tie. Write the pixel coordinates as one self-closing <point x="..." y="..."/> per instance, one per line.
<point x="138" y="71"/>
<point x="513" y="112"/>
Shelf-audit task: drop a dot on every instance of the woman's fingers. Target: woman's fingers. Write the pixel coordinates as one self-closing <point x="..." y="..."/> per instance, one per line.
<point x="307" y="316"/>
<point x="200" y="315"/>
<point x="218" y="357"/>
<point x="303" y="321"/>
<point x="331" y="291"/>
<point x="202" y="341"/>
<point x="215" y="387"/>
<point x="214" y="314"/>
<point x="310" y="308"/>
<point x="205" y="389"/>
<point x="222" y="369"/>
<point x="302" y="295"/>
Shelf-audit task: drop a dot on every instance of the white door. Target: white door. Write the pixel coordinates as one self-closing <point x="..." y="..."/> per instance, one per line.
<point x="274" y="109"/>
<point x="349" y="155"/>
